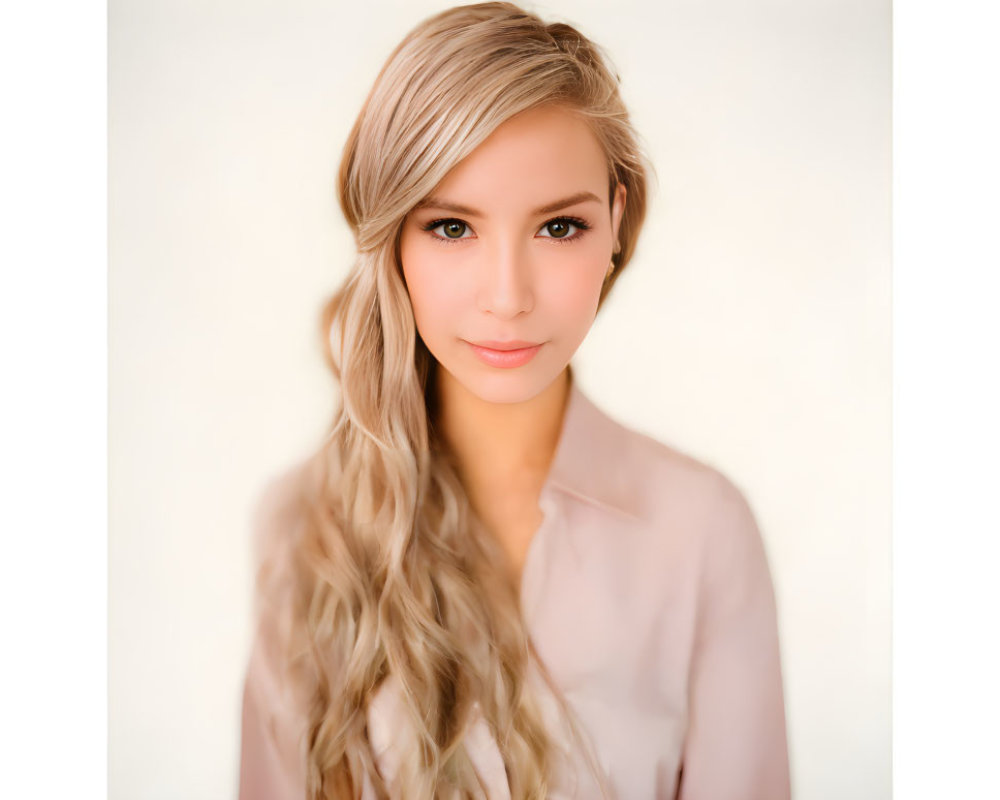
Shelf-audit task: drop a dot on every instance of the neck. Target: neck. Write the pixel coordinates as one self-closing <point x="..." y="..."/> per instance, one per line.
<point x="501" y="444"/>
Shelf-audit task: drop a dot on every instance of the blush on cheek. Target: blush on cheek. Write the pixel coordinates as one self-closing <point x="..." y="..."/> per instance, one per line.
<point x="579" y="290"/>
<point x="438" y="301"/>
<point x="438" y="310"/>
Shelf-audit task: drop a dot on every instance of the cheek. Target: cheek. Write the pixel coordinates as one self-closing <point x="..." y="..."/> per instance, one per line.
<point x="435" y="301"/>
<point x="574" y="299"/>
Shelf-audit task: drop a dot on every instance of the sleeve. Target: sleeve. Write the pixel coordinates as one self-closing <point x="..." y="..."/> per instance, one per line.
<point x="273" y="726"/>
<point x="271" y="759"/>
<point x="736" y="746"/>
<point x="268" y="755"/>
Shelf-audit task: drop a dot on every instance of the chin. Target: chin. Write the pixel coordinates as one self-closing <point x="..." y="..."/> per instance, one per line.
<point x="508" y="391"/>
<point x="506" y="385"/>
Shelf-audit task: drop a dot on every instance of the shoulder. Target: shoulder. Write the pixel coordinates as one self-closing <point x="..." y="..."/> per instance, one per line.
<point x="274" y="703"/>
<point x="284" y="499"/>
<point x="278" y="518"/>
<point x="278" y="503"/>
<point x="615" y="465"/>
<point x="699" y="513"/>
<point x="279" y="513"/>
<point x="671" y="483"/>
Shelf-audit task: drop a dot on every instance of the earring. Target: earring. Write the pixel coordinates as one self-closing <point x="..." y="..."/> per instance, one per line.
<point x="610" y="270"/>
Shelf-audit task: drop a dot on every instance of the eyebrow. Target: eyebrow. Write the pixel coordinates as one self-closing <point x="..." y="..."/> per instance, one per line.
<point x="548" y="208"/>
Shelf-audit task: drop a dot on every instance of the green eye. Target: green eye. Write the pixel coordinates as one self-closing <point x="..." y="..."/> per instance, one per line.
<point x="454" y="229"/>
<point x="559" y="229"/>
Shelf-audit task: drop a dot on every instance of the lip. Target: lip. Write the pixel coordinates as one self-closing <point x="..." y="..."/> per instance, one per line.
<point x="505" y="355"/>
<point x="513" y="344"/>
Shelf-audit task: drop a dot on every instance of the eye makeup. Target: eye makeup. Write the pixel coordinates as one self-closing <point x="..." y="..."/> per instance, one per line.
<point x="581" y="225"/>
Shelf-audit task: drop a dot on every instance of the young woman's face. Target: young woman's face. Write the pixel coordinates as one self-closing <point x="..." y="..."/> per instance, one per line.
<point x="511" y="250"/>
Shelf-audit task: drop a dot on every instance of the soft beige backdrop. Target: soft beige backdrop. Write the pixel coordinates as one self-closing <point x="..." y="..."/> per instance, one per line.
<point x="752" y="329"/>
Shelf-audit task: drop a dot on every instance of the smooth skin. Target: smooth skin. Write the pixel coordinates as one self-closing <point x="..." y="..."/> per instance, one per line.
<point x="482" y="261"/>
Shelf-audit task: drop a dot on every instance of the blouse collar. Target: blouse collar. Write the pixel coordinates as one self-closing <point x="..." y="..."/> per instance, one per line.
<point x="591" y="458"/>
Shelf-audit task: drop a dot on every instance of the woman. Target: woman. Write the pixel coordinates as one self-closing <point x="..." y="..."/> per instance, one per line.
<point x="481" y="585"/>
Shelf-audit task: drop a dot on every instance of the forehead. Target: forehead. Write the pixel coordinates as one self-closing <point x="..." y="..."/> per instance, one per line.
<point x="532" y="158"/>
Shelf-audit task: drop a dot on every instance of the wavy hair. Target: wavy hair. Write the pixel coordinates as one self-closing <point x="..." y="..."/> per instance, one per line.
<point x="394" y="575"/>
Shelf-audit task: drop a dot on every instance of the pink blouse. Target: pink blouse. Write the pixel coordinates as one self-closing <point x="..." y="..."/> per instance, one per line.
<point x="648" y="597"/>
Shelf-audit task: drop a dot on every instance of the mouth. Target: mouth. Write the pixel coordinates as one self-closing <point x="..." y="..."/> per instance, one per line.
<point x="504" y="347"/>
<point x="505" y="355"/>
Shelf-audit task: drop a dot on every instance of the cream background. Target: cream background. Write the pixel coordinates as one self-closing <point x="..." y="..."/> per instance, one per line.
<point x="752" y="329"/>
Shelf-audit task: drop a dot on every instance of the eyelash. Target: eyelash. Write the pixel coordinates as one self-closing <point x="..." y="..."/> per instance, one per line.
<point x="580" y="224"/>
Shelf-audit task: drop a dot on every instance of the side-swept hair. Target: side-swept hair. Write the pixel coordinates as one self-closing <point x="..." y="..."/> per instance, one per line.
<point x="394" y="576"/>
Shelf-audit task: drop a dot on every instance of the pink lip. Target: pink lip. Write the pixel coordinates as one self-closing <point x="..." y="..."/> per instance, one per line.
<point x="512" y="344"/>
<point x="505" y="355"/>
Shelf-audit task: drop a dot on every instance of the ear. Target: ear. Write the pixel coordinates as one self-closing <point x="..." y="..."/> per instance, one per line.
<point x="617" y="210"/>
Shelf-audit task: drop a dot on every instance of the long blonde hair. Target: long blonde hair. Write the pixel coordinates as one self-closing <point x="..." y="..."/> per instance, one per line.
<point x="393" y="574"/>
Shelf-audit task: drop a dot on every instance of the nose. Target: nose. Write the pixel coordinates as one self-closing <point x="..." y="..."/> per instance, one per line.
<point x="506" y="282"/>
